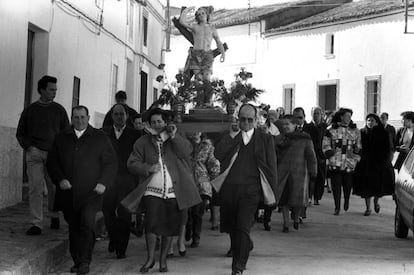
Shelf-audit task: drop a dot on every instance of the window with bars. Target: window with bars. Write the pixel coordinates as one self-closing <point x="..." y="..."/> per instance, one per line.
<point x="145" y="31"/>
<point x="76" y="91"/>
<point x="372" y="95"/>
<point x="288" y="98"/>
<point x="330" y="45"/>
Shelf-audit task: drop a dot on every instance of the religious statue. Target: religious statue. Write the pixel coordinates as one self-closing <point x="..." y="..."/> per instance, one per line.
<point x="200" y="57"/>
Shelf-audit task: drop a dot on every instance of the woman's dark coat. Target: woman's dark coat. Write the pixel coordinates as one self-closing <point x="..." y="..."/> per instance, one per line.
<point x="296" y="165"/>
<point x="374" y="174"/>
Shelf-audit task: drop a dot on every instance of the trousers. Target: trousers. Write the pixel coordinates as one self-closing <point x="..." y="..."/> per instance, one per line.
<point x="239" y="203"/>
<point x="117" y="219"/>
<point x="338" y="180"/>
<point x="38" y="179"/>
<point x="81" y="231"/>
<point x="195" y="220"/>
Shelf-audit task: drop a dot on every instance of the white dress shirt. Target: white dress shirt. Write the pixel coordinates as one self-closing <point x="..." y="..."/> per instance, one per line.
<point x="119" y="132"/>
<point x="79" y="133"/>
<point x="247" y="136"/>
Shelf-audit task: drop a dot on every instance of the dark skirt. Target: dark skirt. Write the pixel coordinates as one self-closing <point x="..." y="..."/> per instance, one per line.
<point x="373" y="178"/>
<point x="162" y="216"/>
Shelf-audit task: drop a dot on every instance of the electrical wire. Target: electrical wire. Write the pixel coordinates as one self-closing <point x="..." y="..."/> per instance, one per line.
<point x="82" y="15"/>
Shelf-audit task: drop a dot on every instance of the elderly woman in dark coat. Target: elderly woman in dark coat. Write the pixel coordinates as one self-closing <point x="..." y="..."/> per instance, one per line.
<point x="161" y="160"/>
<point x="296" y="165"/>
<point x="374" y="174"/>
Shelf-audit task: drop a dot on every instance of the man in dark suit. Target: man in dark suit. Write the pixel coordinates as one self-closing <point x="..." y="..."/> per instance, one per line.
<point x="390" y="129"/>
<point x="317" y="130"/>
<point x="404" y="138"/>
<point x="117" y="220"/>
<point x="250" y="159"/>
<point x="120" y="97"/>
<point x="82" y="164"/>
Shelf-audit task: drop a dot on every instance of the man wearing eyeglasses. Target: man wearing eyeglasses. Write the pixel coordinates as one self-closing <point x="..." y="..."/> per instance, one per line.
<point x="249" y="158"/>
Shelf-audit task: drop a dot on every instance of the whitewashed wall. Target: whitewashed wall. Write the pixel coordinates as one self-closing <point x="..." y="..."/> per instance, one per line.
<point x="69" y="47"/>
<point x="364" y="48"/>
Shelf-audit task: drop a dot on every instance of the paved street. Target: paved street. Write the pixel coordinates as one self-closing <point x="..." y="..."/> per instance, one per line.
<point x="324" y="244"/>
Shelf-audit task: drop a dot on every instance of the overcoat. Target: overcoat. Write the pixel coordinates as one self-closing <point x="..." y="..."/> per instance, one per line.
<point x="374" y="174"/>
<point x="124" y="182"/>
<point x="176" y="154"/>
<point x="264" y="152"/>
<point x="84" y="162"/>
<point x="296" y="164"/>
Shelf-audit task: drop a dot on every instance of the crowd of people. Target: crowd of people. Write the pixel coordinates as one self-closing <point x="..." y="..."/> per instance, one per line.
<point x="140" y="167"/>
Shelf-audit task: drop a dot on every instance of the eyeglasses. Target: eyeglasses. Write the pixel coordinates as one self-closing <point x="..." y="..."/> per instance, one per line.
<point x="246" y="119"/>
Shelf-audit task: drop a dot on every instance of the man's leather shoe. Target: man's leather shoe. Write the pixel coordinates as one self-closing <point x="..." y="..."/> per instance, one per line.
<point x="163" y="269"/>
<point x="296" y="225"/>
<point x="266" y="226"/>
<point x="236" y="272"/>
<point x="111" y="247"/>
<point x="188" y="234"/>
<point x="83" y="269"/>
<point x="74" y="269"/>
<point x="285" y="229"/>
<point x="34" y="230"/>
<point x="54" y="223"/>
<point x="120" y="255"/>
<point x="194" y="244"/>
<point x="346" y="205"/>
<point x="336" y="213"/>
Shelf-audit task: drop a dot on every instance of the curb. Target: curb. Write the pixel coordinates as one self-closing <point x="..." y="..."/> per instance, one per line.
<point x="41" y="261"/>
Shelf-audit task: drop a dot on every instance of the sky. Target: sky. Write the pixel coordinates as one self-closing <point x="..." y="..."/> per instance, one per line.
<point x="219" y="4"/>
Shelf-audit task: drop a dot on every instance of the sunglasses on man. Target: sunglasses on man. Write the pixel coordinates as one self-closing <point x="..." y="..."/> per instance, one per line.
<point x="246" y="119"/>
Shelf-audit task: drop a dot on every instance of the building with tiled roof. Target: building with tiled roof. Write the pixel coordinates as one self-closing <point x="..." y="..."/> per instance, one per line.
<point x="242" y="30"/>
<point x="355" y="55"/>
<point x="344" y="13"/>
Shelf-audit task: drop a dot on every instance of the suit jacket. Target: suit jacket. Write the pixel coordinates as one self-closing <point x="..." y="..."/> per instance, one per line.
<point x="316" y="132"/>
<point x="123" y="146"/>
<point x="399" y="141"/>
<point x="84" y="162"/>
<point x="264" y="152"/>
<point x="392" y="134"/>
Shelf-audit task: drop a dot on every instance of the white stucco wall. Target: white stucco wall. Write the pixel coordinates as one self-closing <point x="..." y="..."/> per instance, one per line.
<point x="67" y="46"/>
<point x="365" y="48"/>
